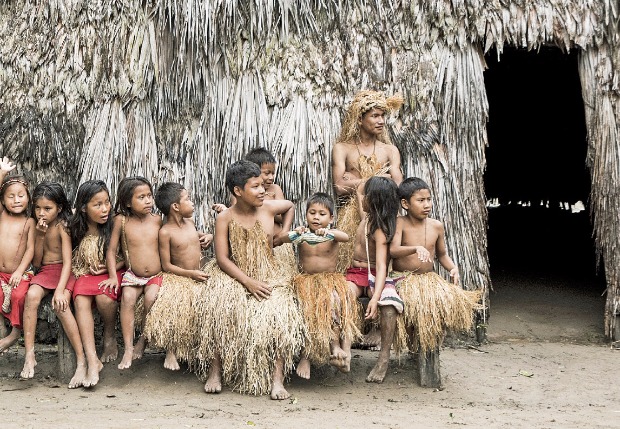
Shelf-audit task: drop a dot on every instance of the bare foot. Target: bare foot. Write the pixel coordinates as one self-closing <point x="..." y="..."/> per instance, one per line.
<point x="214" y="382"/>
<point x="346" y="364"/>
<point x="337" y="357"/>
<point x="29" y="363"/>
<point x="171" y="362"/>
<point x="9" y="340"/>
<point x="278" y="392"/>
<point x="377" y="374"/>
<point x="92" y="375"/>
<point x="303" y="368"/>
<point x="110" y="351"/>
<point x="372" y="340"/>
<point x="126" y="360"/>
<point x="79" y="376"/>
<point x="138" y="349"/>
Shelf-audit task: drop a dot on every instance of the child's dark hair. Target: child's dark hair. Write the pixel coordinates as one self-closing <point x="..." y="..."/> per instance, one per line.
<point x="410" y="186"/>
<point x="323" y="199"/>
<point x="240" y="172"/>
<point x="167" y="194"/>
<point x="78" y="224"/>
<point x="125" y="193"/>
<point x="10" y="180"/>
<point x="53" y="191"/>
<point x="260" y="156"/>
<point x="382" y="204"/>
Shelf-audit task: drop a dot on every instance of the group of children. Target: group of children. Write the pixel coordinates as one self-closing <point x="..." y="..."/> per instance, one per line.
<point x="250" y="315"/>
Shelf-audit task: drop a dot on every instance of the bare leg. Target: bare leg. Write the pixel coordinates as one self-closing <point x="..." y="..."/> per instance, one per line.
<point x="10" y="339"/>
<point x="72" y="332"/>
<point x="303" y="367"/>
<point x="3" y="331"/>
<point x="150" y="295"/>
<point x="86" y="325"/>
<point x="337" y="355"/>
<point x="128" y="307"/>
<point x="171" y="361"/>
<point x="388" y="326"/>
<point x="277" y="381"/>
<point x="214" y="380"/>
<point x="345" y="345"/>
<point x="107" y="309"/>
<point x="33" y="300"/>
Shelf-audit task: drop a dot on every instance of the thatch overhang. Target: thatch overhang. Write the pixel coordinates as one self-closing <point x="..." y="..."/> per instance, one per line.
<point x="176" y="90"/>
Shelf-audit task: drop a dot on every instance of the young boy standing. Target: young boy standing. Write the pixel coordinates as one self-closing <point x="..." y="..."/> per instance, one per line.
<point x="254" y="329"/>
<point x="329" y="309"/>
<point x="171" y="323"/>
<point x="432" y="304"/>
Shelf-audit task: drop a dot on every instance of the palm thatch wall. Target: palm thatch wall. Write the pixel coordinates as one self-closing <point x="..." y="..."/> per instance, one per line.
<point x="178" y="89"/>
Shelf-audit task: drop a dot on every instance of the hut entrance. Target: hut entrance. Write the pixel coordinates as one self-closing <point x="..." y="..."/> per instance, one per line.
<point x="541" y="250"/>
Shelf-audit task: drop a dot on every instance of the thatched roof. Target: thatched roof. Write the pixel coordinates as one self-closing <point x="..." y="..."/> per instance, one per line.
<point x="176" y="90"/>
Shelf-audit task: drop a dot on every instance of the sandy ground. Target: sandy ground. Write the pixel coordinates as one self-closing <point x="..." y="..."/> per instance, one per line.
<point x="546" y="365"/>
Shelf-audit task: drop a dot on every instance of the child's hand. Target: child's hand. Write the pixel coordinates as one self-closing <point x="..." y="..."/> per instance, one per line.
<point x="111" y="284"/>
<point x="258" y="289"/>
<point x="59" y="301"/>
<point x="41" y="226"/>
<point x="454" y="274"/>
<point x="219" y="208"/>
<point x="321" y="231"/>
<point x="6" y="166"/>
<point x="371" y="310"/>
<point x="98" y="269"/>
<point x="300" y="229"/>
<point x="423" y="254"/>
<point x="199" y="275"/>
<point x="277" y="239"/>
<point x="205" y="240"/>
<point x="15" y="279"/>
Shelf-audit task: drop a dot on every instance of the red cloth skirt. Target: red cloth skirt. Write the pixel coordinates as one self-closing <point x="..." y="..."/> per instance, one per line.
<point x="49" y="276"/>
<point x="359" y="275"/>
<point x="89" y="285"/>
<point x="18" y="298"/>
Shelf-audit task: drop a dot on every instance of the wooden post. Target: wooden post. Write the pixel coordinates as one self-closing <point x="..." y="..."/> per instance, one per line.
<point x="427" y="366"/>
<point x="67" y="362"/>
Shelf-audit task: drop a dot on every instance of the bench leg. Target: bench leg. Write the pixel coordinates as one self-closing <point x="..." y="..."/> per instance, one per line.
<point x="427" y="366"/>
<point x="67" y="363"/>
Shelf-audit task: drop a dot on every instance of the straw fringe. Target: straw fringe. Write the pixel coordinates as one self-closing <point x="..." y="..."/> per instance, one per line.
<point x="327" y="306"/>
<point x="172" y="322"/>
<point x="248" y="334"/>
<point x="432" y="307"/>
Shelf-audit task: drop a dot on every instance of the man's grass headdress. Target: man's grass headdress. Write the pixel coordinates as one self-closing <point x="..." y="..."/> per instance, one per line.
<point x="364" y="101"/>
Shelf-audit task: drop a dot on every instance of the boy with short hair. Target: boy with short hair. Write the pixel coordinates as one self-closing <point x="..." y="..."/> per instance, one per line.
<point x="432" y="304"/>
<point x="329" y="309"/>
<point x="171" y="323"/>
<point x="253" y="328"/>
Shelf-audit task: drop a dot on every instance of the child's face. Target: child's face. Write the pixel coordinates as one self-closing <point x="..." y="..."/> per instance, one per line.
<point x="15" y="198"/>
<point x="141" y="200"/>
<point x="253" y="192"/>
<point x="186" y="205"/>
<point x="318" y="216"/>
<point x="268" y="174"/>
<point x="419" y="204"/>
<point x="46" y="210"/>
<point x="98" y="208"/>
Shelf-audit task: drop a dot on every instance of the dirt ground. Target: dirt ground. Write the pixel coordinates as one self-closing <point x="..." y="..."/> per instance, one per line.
<point x="546" y="365"/>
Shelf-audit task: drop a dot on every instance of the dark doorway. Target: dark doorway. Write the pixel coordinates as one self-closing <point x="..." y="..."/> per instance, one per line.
<point x="536" y="176"/>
